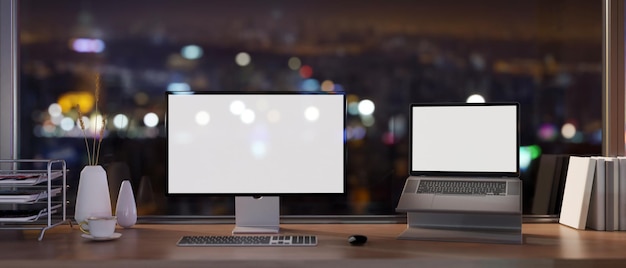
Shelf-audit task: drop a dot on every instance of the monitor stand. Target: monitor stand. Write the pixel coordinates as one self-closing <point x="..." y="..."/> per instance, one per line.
<point x="254" y="215"/>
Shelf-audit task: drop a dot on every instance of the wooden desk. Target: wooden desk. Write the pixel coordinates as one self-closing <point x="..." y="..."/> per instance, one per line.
<point x="154" y="245"/>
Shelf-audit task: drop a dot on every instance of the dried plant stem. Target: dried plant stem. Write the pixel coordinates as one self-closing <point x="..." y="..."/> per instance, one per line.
<point x="87" y="146"/>
<point x="104" y="122"/>
<point x="93" y="148"/>
<point x="97" y="95"/>
<point x="82" y="127"/>
<point x="93" y="154"/>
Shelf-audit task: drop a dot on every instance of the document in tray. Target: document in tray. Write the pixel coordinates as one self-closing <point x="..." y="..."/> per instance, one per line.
<point x="26" y="195"/>
<point x="27" y="178"/>
<point x="28" y="215"/>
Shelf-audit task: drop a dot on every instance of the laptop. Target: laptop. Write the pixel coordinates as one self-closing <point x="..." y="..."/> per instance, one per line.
<point x="464" y="157"/>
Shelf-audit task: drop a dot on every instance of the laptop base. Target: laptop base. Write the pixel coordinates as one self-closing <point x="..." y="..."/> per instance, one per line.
<point x="464" y="227"/>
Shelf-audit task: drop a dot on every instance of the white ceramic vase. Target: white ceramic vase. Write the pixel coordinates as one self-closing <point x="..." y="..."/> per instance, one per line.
<point x="93" y="198"/>
<point x="126" y="207"/>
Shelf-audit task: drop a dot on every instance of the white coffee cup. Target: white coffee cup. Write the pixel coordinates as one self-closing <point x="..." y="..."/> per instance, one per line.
<point x="99" y="226"/>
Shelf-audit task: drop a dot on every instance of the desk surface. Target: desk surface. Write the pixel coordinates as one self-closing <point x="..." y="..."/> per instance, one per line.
<point x="545" y="245"/>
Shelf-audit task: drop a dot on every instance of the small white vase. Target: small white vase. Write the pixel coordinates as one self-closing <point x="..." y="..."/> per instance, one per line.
<point x="93" y="198"/>
<point x="126" y="207"/>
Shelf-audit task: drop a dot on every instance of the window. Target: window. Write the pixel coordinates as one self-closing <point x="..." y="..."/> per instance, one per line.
<point x="546" y="55"/>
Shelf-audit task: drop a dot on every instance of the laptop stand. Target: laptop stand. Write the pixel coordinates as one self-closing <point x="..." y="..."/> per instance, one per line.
<point x="464" y="227"/>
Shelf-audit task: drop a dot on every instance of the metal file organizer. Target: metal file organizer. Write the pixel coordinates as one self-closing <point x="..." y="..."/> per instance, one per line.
<point x="33" y="194"/>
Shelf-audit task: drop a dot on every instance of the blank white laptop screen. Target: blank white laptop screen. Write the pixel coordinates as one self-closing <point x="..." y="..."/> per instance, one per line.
<point x="464" y="138"/>
<point x="253" y="144"/>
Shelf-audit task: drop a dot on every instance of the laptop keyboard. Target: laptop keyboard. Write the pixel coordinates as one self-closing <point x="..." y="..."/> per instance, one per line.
<point x="462" y="187"/>
<point x="248" y="241"/>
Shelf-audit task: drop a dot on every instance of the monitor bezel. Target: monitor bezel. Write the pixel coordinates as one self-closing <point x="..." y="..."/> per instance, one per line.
<point x="514" y="174"/>
<point x="258" y="195"/>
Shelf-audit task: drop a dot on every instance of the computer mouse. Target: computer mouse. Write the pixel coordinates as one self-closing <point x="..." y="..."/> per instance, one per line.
<point x="357" y="240"/>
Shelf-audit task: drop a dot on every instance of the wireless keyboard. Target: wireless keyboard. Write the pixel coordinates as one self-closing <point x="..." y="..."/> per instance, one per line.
<point x="248" y="241"/>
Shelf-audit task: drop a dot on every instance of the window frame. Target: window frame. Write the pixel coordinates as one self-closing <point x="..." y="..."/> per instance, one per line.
<point x="613" y="79"/>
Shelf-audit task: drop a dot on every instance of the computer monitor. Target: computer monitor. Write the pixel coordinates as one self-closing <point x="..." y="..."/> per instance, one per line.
<point x="255" y="146"/>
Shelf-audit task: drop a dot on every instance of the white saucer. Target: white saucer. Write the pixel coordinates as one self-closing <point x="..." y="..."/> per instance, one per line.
<point x="113" y="236"/>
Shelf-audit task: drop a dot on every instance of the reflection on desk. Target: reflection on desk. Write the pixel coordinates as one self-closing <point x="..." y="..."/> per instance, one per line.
<point x="154" y="245"/>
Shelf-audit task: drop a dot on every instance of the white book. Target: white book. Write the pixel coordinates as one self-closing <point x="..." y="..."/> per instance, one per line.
<point x="612" y="194"/>
<point x="577" y="192"/>
<point x="596" y="218"/>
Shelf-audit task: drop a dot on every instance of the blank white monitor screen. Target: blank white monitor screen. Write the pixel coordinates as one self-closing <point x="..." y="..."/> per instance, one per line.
<point x="465" y="138"/>
<point x="255" y="143"/>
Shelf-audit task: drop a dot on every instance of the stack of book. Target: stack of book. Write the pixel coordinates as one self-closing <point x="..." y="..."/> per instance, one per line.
<point x="593" y="196"/>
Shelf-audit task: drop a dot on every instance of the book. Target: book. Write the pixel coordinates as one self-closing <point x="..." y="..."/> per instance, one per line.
<point x="546" y="175"/>
<point x="622" y="193"/>
<point x="558" y="187"/>
<point x="596" y="218"/>
<point x="612" y="197"/>
<point x="577" y="191"/>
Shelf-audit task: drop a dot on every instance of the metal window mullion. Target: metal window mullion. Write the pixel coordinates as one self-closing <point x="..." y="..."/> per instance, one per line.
<point x="613" y="96"/>
<point x="8" y="79"/>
